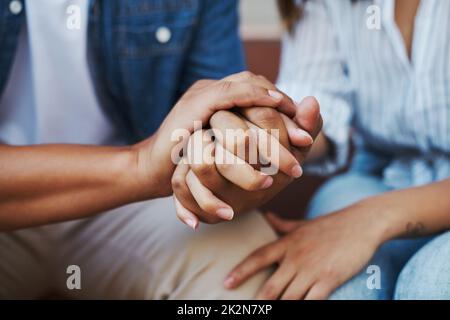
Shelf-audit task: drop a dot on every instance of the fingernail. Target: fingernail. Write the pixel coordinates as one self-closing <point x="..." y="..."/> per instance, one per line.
<point x="225" y="213"/>
<point x="306" y="102"/>
<point x="192" y="223"/>
<point x="305" y="134"/>
<point x="229" y="281"/>
<point x="296" y="171"/>
<point x="275" y="94"/>
<point x="267" y="183"/>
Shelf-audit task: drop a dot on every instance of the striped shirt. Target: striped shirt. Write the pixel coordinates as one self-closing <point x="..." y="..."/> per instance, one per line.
<point x="352" y="57"/>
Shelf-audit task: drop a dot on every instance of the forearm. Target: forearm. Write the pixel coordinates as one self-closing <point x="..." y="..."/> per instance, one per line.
<point x="49" y="183"/>
<point x="410" y="212"/>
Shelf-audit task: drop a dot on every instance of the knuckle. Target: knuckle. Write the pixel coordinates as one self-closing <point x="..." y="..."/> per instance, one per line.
<point x="240" y="143"/>
<point x="247" y="74"/>
<point x="224" y="167"/>
<point x="255" y="92"/>
<point x="259" y="256"/>
<point x="269" y="292"/>
<point x="263" y="78"/>
<point x="265" y="115"/>
<point x="224" y="86"/>
<point x="203" y="170"/>
<point x="177" y="182"/>
<point x="254" y="184"/>
<point x="320" y="294"/>
<point x="290" y="296"/>
<point x="209" y="206"/>
<point x="201" y="83"/>
<point x="218" y="116"/>
<point x="197" y="83"/>
<point x="329" y="273"/>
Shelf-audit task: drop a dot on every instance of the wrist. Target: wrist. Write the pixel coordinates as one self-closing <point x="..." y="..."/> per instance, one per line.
<point x="150" y="172"/>
<point x="125" y="173"/>
<point x="371" y="218"/>
<point x="143" y="180"/>
<point x="383" y="217"/>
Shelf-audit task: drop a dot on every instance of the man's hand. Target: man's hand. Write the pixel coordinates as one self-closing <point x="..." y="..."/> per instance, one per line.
<point x="213" y="192"/>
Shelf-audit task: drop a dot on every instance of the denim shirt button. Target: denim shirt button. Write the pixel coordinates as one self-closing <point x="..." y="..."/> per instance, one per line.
<point x="15" y="7"/>
<point x="163" y="34"/>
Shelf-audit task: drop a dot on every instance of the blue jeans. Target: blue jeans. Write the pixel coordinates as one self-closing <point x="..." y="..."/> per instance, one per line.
<point x="409" y="269"/>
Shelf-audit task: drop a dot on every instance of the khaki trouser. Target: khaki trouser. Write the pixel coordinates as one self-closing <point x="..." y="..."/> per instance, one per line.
<point x="139" y="251"/>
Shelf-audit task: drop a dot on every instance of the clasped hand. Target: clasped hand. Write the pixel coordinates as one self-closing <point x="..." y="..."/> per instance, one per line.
<point x="225" y="182"/>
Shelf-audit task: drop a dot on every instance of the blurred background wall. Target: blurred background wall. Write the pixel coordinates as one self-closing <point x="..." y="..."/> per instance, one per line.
<point x="261" y="31"/>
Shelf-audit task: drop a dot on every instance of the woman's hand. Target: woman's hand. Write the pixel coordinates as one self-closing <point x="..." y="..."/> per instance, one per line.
<point x="314" y="257"/>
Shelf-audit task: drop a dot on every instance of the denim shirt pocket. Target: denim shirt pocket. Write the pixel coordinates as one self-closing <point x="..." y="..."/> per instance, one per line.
<point x="144" y="68"/>
<point x="150" y="30"/>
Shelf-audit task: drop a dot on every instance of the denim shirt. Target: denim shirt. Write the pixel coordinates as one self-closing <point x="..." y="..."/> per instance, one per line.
<point x="137" y="77"/>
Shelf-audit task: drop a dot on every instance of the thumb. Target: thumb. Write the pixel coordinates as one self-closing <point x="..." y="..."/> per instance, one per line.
<point x="308" y="116"/>
<point x="280" y="225"/>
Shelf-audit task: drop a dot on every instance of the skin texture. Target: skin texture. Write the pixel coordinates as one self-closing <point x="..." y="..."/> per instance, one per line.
<point x="315" y="257"/>
<point x="42" y="184"/>
<point x="405" y="12"/>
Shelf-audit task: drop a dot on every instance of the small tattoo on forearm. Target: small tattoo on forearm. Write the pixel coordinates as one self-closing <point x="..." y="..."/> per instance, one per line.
<point x="415" y="229"/>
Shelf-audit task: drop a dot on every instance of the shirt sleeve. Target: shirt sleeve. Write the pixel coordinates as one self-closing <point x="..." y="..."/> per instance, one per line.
<point x="312" y="64"/>
<point x="216" y="50"/>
